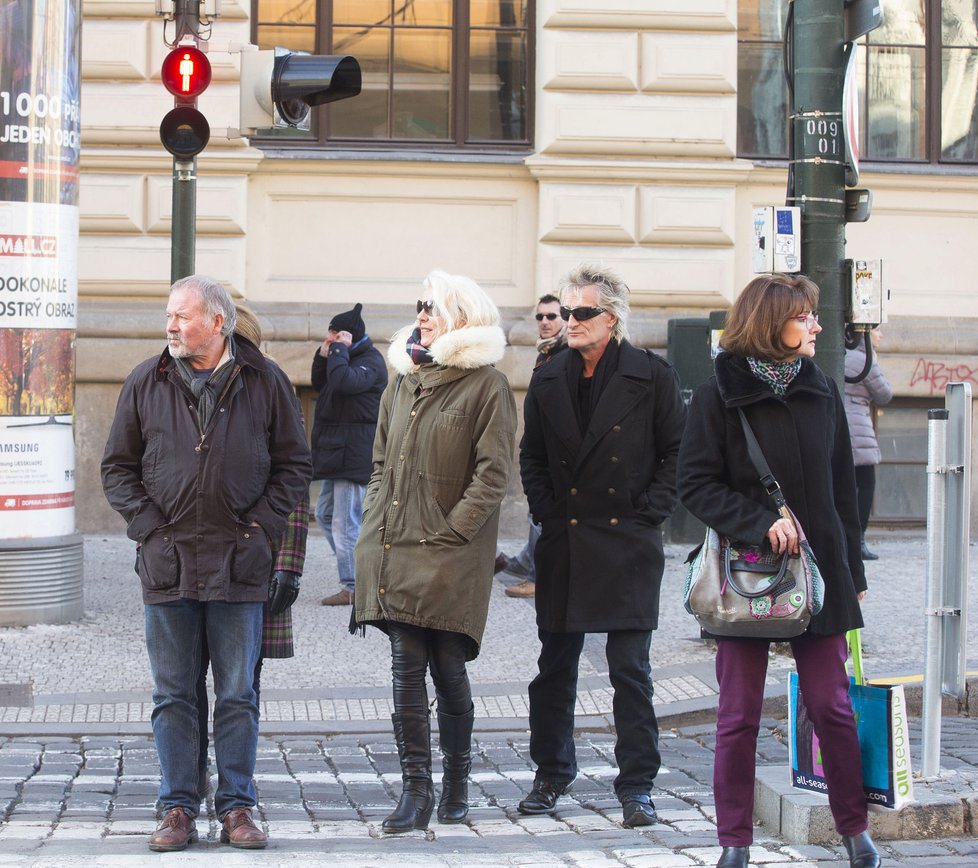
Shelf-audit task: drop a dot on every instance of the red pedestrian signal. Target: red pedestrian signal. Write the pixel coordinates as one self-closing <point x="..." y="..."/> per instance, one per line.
<point x="186" y="72"/>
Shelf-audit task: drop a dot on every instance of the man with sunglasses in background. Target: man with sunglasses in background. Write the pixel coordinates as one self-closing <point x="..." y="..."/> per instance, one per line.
<point x="552" y="340"/>
<point x="602" y="425"/>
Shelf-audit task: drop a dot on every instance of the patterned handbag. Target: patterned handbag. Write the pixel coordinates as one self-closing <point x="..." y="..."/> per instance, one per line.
<point x="737" y="589"/>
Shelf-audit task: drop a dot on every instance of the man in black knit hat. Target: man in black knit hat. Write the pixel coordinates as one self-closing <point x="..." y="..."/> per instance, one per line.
<point x="350" y="375"/>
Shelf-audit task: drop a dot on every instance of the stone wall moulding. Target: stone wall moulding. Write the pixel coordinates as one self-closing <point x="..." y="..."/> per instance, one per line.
<point x="587" y="213"/>
<point x="140" y="265"/>
<point x="687" y="215"/>
<point x="141" y="107"/>
<point x="117" y="50"/>
<point x="320" y="239"/>
<point x="578" y="60"/>
<point x="688" y="277"/>
<point x="230" y="9"/>
<point x="637" y="125"/>
<point x="222" y="204"/>
<point x="677" y="63"/>
<point x="638" y="14"/>
<point x="112" y="203"/>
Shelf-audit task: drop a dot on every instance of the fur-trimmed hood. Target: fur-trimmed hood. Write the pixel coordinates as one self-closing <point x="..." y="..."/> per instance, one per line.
<point x="466" y="348"/>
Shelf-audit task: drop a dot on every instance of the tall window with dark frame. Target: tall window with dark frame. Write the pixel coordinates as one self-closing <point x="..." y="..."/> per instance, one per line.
<point x="918" y="82"/>
<point x="436" y="73"/>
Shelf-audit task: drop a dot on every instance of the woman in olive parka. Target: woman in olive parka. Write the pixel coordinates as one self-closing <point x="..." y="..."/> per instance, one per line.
<point x="424" y="560"/>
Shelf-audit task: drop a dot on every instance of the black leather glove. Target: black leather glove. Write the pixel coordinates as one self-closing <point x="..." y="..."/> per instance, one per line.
<point x="283" y="591"/>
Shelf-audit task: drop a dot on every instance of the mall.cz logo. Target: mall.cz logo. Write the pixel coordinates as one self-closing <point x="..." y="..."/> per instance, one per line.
<point x="28" y="245"/>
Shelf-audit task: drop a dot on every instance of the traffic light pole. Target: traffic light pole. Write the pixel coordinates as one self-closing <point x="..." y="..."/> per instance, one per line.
<point x="818" y="166"/>
<point x="183" y="229"/>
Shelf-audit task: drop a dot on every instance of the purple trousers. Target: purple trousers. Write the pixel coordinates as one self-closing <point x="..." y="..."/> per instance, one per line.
<point x="741" y="666"/>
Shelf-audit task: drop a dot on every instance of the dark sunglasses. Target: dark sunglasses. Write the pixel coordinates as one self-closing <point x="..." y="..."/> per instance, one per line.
<point x="550" y="316"/>
<point x="428" y="307"/>
<point x="580" y="313"/>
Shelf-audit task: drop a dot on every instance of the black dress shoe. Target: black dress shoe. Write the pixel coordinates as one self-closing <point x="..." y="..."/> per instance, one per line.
<point x="734" y="857"/>
<point x="862" y="852"/>
<point x="543" y="797"/>
<point x="638" y="809"/>
<point x="501" y="563"/>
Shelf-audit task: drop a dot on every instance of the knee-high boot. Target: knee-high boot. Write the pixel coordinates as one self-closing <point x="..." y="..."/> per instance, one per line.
<point x="455" y="735"/>
<point x="412" y="732"/>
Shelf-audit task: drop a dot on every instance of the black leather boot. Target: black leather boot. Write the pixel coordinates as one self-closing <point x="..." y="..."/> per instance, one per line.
<point x="455" y="735"/>
<point x="862" y="852"/>
<point x="412" y="732"/>
<point x="865" y="553"/>
<point x="734" y="857"/>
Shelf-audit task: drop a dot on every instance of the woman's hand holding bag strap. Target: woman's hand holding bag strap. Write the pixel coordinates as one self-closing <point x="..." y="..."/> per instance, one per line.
<point x="755" y="591"/>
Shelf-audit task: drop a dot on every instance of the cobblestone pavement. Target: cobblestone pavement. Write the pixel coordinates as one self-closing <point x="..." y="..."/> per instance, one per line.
<point x="91" y="800"/>
<point x="79" y="775"/>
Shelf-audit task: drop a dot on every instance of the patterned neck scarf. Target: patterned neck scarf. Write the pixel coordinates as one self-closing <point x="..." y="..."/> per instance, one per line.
<point x="778" y="375"/>
<point x="548" y="345"/>
<point x="419" y="354"/>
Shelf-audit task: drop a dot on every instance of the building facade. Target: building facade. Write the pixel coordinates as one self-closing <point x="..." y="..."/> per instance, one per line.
<point x="510" y="140"/>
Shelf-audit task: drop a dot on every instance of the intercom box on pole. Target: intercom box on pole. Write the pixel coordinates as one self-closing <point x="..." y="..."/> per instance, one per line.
<point x="777" y="239"/>
<point x="869" y="296"/>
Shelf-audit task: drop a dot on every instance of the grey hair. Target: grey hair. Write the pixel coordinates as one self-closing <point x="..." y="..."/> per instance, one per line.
<point x="612" y="294"/>
<point x="214" y="299"/>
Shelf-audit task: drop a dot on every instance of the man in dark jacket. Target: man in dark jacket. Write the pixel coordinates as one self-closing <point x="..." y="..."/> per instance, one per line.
<point x="602" y="427"/>
<point x="552" y="341"/>
<point x="350" y="375"/>
<point x="206" y="458"/>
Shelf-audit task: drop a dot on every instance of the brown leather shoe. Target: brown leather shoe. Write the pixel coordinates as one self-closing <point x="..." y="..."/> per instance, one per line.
<point x="523" y="589"/>
<point x="177" y="830"/>
<point x="239" y="830"/>
<point x="342" y="597"/>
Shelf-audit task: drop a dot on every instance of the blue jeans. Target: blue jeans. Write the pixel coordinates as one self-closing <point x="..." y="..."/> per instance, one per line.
<point x="339" y="511"/>
<point x="553" y="694"/>
<point x="174" y="639"/>
<point x="525" y="558"/>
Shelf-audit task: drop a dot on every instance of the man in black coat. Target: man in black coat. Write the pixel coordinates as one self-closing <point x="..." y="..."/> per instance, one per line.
<point x="350" y="375"/>
<point x="602" y="427"/>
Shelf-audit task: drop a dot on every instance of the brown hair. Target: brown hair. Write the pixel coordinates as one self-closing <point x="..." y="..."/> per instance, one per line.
<point x="758" y="316"/>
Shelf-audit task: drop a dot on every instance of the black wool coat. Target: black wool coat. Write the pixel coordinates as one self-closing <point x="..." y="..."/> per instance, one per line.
<point x="601" y="495"/>
<point x="805" y="439"/>
<point x="350" y="381"/>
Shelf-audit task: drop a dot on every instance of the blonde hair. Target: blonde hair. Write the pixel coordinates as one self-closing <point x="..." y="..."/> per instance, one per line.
<point x="247" y="326"/>
<point x="461" y="301"/>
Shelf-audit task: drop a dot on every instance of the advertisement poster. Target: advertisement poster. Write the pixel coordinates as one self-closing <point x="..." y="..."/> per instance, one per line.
<point x="39" y="151"/>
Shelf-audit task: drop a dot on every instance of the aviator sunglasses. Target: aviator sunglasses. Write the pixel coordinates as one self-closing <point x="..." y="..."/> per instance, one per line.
<point x="580" y="313"/>
<point x="429" y="307"/>
<point x="549" y="316"/>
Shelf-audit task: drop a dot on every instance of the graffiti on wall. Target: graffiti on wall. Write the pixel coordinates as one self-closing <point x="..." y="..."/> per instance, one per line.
<point x="935" y="375"/>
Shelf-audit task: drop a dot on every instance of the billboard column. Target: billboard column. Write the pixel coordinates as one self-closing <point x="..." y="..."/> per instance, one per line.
<point x="40" y="552"/>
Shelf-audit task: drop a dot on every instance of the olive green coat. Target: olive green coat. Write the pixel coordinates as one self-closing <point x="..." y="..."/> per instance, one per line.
<point x="441" y="463"/>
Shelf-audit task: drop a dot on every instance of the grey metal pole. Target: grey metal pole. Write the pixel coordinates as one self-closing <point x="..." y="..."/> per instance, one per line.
<point x="184" y="218"/>
<point x="936" y="495"/>
<point x="954" y="596"/>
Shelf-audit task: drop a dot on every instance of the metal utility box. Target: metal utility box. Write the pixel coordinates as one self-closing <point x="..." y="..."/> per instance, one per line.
<point x="690" y="343"/>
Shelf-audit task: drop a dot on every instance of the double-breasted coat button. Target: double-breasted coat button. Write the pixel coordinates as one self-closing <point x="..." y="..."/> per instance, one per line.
<point x="573" y="491"/>
<point x="611" y="491"/>
<point x="616" y="429"/>
<point x="614" y="459"/>
<point x="573" y="522"/>
<point x="613" y="522"/>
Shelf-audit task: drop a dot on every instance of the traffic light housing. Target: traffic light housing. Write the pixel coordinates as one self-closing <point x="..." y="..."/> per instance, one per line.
<point x="185" y="73"/>
<point x="278" y="86"/>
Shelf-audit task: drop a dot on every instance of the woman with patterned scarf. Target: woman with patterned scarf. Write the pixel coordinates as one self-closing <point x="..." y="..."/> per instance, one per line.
<point x="797" y="415"/>
<point x="424" y="561"/>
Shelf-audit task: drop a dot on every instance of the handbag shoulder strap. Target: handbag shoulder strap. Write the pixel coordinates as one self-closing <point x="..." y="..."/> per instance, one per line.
<point x="760" y="464"/>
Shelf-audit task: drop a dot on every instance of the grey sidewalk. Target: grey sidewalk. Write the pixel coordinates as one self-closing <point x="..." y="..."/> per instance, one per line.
<point x="78" y="772"/>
